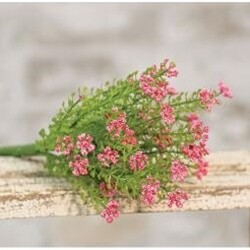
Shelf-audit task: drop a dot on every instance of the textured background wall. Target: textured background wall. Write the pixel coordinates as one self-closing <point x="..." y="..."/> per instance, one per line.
<point x="48" y="50"/>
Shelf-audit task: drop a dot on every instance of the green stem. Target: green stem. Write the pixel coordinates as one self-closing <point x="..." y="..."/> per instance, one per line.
<point x="184" y="102"/>
<point x="20" y="150"/>
<point x="166" y="151"/>
<point x="68" y="111"/>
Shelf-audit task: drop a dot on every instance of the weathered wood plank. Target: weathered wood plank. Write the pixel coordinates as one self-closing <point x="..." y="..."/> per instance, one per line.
<point x="27" y="191"/>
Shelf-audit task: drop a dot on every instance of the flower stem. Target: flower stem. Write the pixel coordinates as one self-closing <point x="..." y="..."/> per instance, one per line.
<point x="184" y="102"/>
<point x="20" y="150"/>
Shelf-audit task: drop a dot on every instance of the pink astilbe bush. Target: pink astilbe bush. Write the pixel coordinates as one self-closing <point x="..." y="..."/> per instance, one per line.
<point x="138" y="138"/>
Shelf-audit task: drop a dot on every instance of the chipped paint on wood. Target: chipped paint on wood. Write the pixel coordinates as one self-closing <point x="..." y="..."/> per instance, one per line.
<point x="26" y="190"/>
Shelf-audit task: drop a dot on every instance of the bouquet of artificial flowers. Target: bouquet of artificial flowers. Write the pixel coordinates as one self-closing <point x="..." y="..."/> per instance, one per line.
<point x="137" y="138"/>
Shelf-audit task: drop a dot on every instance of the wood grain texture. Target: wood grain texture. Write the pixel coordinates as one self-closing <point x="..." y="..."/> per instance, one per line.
<point x="26" y="190"/>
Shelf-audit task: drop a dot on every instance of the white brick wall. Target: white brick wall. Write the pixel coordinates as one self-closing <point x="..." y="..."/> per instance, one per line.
<point x="48" y="50"/>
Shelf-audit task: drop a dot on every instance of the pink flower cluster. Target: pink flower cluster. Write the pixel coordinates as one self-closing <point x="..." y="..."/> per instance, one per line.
<point x="107" y="191"/>
<point x="84" y="144"/>
<point x="116" y="126"/>
<point x="138" y="161"/>
<point x="202" y="169"/>
<point x="108" y="157"/>
<point x="195" y="152"/>
<point x="79" y="165"/>
<point x="167" y="114"/>
<point x="129" y="137"/>
<point x="64" y="145"/>
<point x="119" y="128"/>
<point x="178" y="171"/>
<point x="111" y="211"/>
<point x="224" y="90"/>
<point x="157" y="90"/>
<point x="154" y="84"/>
<point x="149" y="191"/>
<point x="208" y="98"/>
<point x="176" y="198"/>
<point x="169" y="68"/>
<point x="197" y="128"/>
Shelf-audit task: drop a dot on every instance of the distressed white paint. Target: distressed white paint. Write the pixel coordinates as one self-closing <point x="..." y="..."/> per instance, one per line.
<point x="26" y="190"/>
